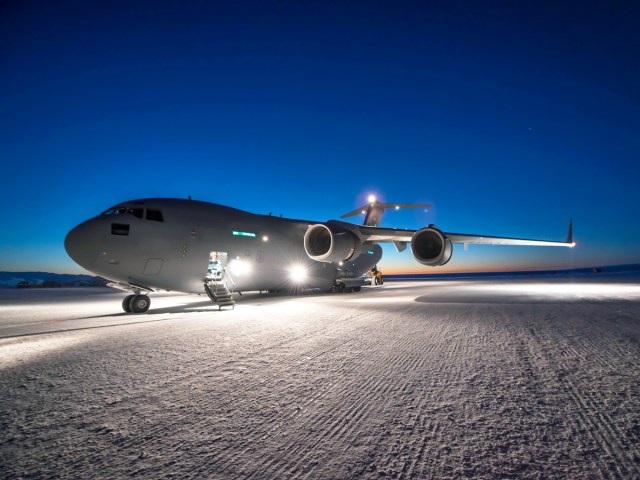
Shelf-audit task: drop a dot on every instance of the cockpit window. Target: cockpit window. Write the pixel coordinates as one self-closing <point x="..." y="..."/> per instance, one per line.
<point x="115" y="211"/>
<point x="155" y="215"/>
<point x="136" y="212"/>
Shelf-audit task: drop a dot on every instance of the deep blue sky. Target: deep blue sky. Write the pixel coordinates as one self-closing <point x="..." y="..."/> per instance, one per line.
<point x="508" y="117"/>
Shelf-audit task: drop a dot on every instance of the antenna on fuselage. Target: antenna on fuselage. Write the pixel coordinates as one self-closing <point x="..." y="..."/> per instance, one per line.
<point x="373" y="210"/>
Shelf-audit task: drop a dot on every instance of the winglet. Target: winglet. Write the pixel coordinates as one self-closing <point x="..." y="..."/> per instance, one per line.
<point x="570" y="233"/>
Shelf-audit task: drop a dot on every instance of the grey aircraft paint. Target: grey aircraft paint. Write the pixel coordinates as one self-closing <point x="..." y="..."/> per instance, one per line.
<point x="167" y="244"/>
<point x="173" y="254"/>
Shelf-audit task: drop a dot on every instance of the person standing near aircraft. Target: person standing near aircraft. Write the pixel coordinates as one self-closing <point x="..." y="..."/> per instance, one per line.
<point x="377" y="275"/>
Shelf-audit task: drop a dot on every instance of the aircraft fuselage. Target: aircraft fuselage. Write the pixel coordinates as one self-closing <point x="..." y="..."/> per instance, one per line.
<point x="165" y="244"/>
<point x="193" y="246"/>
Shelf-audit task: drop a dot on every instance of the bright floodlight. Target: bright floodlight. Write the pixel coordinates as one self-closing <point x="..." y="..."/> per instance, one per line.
<point x="298" y="273"/>
<point x="372" y="198"/>
<point x="239" y="267"/>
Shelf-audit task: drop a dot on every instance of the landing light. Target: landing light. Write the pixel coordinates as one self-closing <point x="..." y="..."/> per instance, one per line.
<point x="372" y="198"/>
<point x="239" y="267"/>
<point x="298" y="273"/>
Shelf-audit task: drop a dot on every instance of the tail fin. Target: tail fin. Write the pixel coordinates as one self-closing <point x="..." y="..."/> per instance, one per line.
<point x="373" y="211"/>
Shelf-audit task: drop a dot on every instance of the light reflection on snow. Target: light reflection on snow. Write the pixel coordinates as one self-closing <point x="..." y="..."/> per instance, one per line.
<point x="567" y="290"/>
<point x="14" y="352"/>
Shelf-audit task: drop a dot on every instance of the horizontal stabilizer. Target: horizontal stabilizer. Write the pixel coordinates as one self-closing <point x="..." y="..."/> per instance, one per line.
<point x="375" y="210"/>
<point x="395" y="206"/>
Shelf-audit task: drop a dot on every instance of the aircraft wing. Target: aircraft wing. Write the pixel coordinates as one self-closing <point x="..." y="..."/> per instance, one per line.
<point x="399" y="236"/>
<point x="489" y="240"/>
<point x="381" y="234"/>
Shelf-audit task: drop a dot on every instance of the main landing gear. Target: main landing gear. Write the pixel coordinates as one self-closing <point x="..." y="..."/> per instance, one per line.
<point x="341" y="287"/>
<point x="136" y="303"/>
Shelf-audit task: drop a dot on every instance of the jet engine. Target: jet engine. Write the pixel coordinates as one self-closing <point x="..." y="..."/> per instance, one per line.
<point x="331" y="243"/>
<point x="431" y="246"/>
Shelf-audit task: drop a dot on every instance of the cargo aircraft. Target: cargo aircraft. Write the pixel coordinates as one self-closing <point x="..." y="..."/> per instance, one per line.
<point x="192" y="246"/>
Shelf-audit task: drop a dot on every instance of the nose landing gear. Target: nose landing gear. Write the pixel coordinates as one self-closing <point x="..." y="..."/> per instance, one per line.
<point x="136" y="303"/>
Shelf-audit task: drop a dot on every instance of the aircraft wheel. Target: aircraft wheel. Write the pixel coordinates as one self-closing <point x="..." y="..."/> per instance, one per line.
<point x="126" y="303"/>
<point x="356" y="289"/>
<point x="140" y="303"/>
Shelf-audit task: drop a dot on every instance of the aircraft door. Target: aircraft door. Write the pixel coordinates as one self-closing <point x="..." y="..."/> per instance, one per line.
<point x="217" y="265"/>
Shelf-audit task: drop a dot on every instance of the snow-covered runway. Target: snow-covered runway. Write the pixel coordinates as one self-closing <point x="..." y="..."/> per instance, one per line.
<point x="438" y="379"/>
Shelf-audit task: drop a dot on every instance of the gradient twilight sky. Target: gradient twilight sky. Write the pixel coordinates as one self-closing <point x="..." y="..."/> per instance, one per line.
<point x="509" y="117"/>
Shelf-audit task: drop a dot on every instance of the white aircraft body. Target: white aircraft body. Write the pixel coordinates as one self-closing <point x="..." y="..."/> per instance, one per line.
<point x="192" y="246"/>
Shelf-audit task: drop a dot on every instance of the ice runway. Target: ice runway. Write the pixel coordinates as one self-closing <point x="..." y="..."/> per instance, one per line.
<point x="469" y="378"/>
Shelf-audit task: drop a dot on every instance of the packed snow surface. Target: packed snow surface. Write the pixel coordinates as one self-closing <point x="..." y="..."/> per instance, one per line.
<point x="479" y="379"/>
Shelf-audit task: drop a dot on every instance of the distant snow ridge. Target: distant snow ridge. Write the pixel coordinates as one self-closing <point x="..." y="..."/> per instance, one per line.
<point x="13" y="279"/>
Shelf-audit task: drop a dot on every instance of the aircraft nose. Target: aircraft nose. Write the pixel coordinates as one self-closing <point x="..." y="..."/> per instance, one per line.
<point x="81" y="244"/>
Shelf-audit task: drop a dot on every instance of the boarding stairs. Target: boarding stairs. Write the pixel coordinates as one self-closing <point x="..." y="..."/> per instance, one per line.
<point x="220" y="289"/>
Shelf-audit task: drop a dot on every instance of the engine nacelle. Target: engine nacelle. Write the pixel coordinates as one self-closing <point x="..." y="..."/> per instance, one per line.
<point x="329" y="243"/>
<point x="431" y="247"/>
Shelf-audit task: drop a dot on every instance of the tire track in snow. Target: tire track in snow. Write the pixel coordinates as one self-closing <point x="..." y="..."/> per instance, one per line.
<point x="427" y="431"/>
<point x="401" y="362"/>
<point x="340" y="423"/>
<point x="236" y="397"/>
<point x="420" y="347"/>
<point x="592" y="416"/>
<point x="274" y="424"/>
<point x="174" y="387"/>
<point x="334" y="426"/>
<point x="603" y="431"/>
